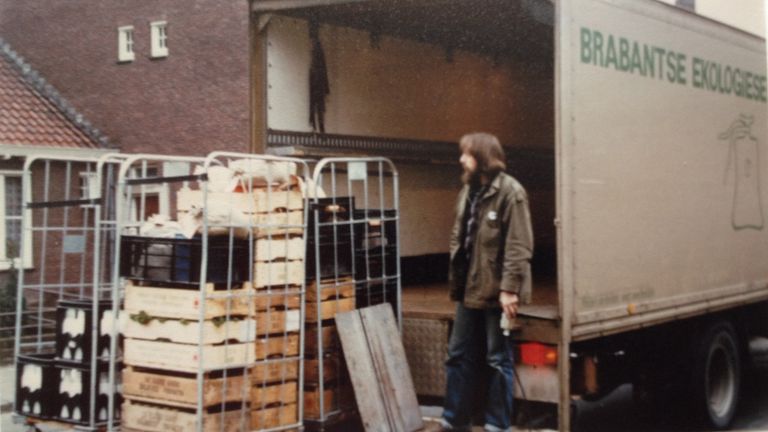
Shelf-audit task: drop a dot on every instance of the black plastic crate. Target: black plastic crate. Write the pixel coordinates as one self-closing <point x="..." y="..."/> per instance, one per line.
<point x="73" y="393"/>
<point x="332" y="209"/>
<point x="36" y="375"/>
<point x="335" y="254"/>
<point x="74" y="330"/>
<point x="335" y="238"/>
<point x="377" y="262"/>
<point x="369" y="234"/>
<point x="177" y="260"/>
<point x="373" y="293"/>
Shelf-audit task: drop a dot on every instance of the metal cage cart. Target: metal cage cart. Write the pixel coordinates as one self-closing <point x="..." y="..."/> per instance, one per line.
<point x="214" y="292"/>
<point x="352" y="262"/>
<point x="64" y="307"/>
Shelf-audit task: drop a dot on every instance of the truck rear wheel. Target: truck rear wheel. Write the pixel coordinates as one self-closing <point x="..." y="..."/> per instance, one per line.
<point x="717" y="375"/>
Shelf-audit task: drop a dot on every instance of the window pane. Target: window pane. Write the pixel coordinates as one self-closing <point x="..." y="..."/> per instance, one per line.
<point x="12" y="216"/>
<point x="13" y="196"/>
<point x="125" y="44"/>
<point x="13" y="240"/>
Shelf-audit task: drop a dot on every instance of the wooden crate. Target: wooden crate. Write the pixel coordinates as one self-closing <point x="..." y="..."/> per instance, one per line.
<point x="279" y="273"/>
<point x="277" y="346"/>
<point x="279" y="224"/>
<point x="271" y="394"/>
<point x="272" y="200"/>
<point x="184" y="303"/>
<point x="333" y="369"/>
<point x="338" y="421"/>
<point x="184" y="357"/>
<point x="273" y="417"/>
<point x="276" y="298"/>
<point x="264" y="372"/>
<point x="125" y="429"/>
<point x="344" y="288"/>
<point x="188" y="332"/>
<point x="181" y="388"/>
<point x="329" y="335"/>
<point x="274" y="321"/>
<point x="328" y="308"/>
<point x="335" y="398"/>
<point x="279" y="248"/>
<point x="159" y="418"/>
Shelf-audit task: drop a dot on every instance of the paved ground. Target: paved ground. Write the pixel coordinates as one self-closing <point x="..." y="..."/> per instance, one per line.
<point x="6" y="400"/>
<point x="617" y="413"/>
<point x="432" y="414"/>
<point x="614" y="413"/>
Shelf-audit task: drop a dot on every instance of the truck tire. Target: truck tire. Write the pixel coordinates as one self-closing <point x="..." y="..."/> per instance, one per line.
<point x="716" y="380"/>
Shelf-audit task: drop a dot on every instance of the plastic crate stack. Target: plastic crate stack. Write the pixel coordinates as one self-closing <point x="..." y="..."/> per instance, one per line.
<point x="376" y="257"/>
<point x="247" y="377"/>
<point x="57" y="386"/>
<point x="328" y="393"/>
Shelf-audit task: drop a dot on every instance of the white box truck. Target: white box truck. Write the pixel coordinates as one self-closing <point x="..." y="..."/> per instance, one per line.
<point x="639" y="130"/>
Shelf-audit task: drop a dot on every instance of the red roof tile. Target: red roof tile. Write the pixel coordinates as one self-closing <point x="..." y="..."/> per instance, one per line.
<point x="30" y="118"/>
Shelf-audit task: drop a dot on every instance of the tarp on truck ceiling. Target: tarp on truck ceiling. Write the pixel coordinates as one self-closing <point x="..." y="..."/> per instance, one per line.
<point x="493" y="27"/>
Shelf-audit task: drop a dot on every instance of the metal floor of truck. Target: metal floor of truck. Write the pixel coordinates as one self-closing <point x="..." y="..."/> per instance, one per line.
<point x="431" y="301"/>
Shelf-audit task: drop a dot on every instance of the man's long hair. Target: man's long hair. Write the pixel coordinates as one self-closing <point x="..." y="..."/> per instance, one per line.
<point x="488" y="153"/>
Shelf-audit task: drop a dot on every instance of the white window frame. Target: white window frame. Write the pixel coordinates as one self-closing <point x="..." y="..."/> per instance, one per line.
<point x="159" y="37"/>
<point x="162" y="191"/>
<point x="89" y="187"/>
<point x="125" y="42"/>
<point x="26" y="219"/>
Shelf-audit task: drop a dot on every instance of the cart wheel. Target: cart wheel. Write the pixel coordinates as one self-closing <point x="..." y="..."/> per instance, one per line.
<point x="717" y="375"/>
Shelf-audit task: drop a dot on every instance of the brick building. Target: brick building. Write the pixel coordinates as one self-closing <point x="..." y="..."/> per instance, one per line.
<point x="188" y="97"/>
<point x="35" y="120"/>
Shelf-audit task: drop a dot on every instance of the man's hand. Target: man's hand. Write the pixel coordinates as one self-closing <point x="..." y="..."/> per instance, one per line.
<point x="509" y="302"/>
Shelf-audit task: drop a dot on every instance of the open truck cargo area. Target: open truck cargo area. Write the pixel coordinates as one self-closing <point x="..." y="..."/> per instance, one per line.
<point x="405" y="80"/>
<point x="638" y="130"/>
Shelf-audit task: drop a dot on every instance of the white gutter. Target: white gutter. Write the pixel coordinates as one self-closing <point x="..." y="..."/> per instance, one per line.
<point x="21" y="150"/>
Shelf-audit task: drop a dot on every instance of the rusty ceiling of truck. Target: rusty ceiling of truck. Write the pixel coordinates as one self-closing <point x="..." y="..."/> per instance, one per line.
<point x="498" y="28"/>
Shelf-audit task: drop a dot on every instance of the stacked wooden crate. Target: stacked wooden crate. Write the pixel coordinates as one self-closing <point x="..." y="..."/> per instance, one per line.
<point x="330" y="289"/>
<point x="327" y="388"/>
<point x="165" y="339"/>
<point x="247" y="377"/>
<point x="278" y="274"/>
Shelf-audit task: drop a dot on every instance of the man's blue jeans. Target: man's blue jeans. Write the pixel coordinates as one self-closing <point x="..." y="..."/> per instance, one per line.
<point x="477" y="340"/>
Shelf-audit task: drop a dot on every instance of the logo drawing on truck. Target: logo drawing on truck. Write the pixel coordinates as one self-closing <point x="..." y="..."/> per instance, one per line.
<point x="743" y="167"/>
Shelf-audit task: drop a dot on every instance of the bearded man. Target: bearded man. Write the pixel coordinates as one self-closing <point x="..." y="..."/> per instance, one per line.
<point x="491" y="247"/>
